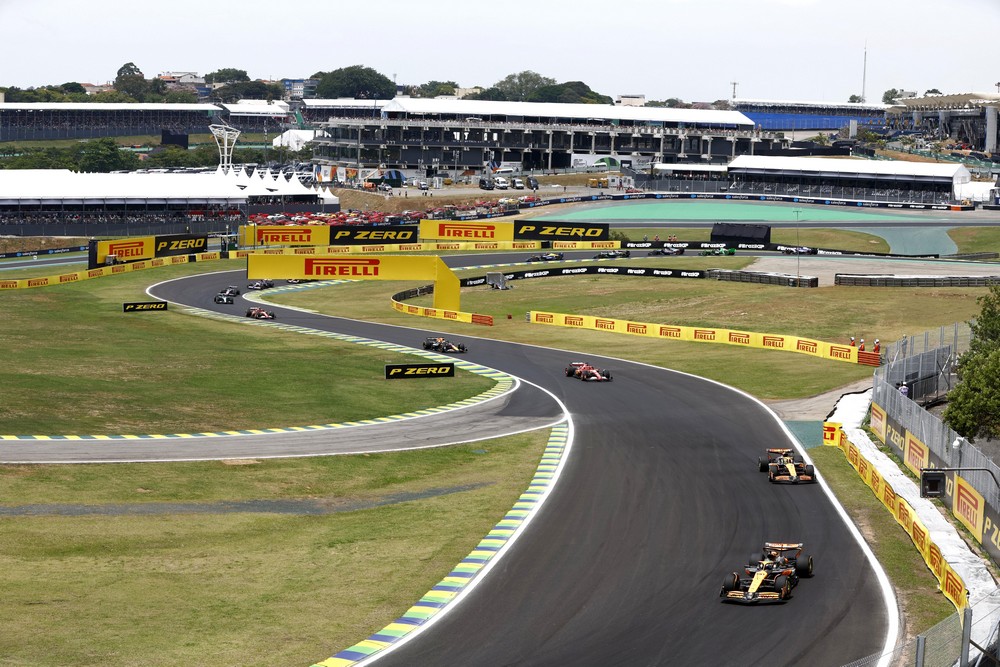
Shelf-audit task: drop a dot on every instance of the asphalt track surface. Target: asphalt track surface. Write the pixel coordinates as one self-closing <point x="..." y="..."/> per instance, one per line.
<point x="659" y="500"/>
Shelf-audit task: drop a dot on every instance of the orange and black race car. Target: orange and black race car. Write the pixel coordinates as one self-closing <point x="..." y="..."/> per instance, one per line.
<point x="784" y="466"/>
<point x="770" y="575"/>
<point x="584" y="371"/>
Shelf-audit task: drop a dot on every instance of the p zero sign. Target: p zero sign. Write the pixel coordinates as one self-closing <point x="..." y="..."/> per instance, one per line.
<point x="561" y="231"/>
<point x="179" y="244"/>
<point x="373" y="234"/>
<point x="402" y="371"/>
<point x="460" y="230"/>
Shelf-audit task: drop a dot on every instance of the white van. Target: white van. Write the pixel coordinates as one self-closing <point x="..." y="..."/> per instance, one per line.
<point x="517" y="183"/>
<point x="504" y="171"/>
<point x="500" y="183"/>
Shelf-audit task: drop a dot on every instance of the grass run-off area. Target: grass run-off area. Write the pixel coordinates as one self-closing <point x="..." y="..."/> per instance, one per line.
<point x="826" y="313"/>
<point x="258" y="588"/>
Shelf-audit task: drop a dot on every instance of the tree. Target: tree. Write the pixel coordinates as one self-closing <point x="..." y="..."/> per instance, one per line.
<point x="571" y="92"/>
<point x="227" y="75"/>
<point x="855" y="99"/>
<point x="435" y="88"/>
<point x="721" y="105"/>
<point x="932" y="91"/>
<point x="131" y="82"/>
<point x="973" y="409"/>
<point x="492" y="94"/>
<point x="73" y="87"/>
<point x="356" y="81"/>
<point x="248" y="90"/>
<point x="889" y="96"/>
<point x="104" y="155"/>
<point x="518" y="87"/>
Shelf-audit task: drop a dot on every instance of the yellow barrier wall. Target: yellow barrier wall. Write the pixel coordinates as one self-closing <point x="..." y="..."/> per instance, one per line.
<point x="99" y="272"/>
<point x="951" y="583"/>
<point x="361" y="267"/>
<point x="462" y="230"/>
<point x="750" y="339"/>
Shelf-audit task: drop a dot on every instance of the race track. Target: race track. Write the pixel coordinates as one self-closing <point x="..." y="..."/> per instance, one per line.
<point x="659" y="500"/>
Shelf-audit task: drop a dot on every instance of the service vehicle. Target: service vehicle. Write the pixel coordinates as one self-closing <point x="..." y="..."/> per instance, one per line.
<point x="438" y="344"/>
<point x="501" y="183"/>
<point x="769" y="576"/>
<point x="581" y="370"/>
<point x="517" y="183"/>
<point x="784" y="466"/>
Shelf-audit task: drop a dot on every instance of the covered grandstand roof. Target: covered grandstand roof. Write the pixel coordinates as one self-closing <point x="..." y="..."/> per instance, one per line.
<point x="104" y="106"/>
<point x="861" y="106"/>
<point x="845" y="167"/>
<point x="256" y="109"/>
<point x="61" y="186"/>
<point x="479" y="108"/>
<point x="343" y="103"/>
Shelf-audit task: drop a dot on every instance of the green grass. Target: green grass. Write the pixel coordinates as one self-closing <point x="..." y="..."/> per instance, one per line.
<point x="263" y="589"/>
<point x="916" y="587"/>
<point x="245" y="588"/>
<point x="976" y="239"/>
<point x="826" y="313"/>
<point x="85" y="367"/>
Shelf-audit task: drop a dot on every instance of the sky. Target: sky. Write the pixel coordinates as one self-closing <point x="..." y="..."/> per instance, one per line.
<point x="805" y="50"/>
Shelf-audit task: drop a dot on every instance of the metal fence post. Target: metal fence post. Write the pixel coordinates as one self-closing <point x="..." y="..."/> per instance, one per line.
<point x="966" y="636"/>
<point x="921" y="648"/>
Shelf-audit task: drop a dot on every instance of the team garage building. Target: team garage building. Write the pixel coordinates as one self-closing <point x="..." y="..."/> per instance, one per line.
<point x="58" y="202"/>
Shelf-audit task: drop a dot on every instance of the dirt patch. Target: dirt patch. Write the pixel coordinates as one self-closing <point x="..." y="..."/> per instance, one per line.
<point x="36" y="243"/>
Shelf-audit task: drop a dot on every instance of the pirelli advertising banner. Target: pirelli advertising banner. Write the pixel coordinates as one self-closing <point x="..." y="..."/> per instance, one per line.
<point x="99" y="272"/>
<point x="950" y="580"/>
<point x="361" y="267"/>
<point x="146" y="247"/>
<point x="466" y="230"/>
<point x="560" y="231"/>
<point x="748" y="339"/>
<point x="963" y="500"/>
<point x="323" y="235"/>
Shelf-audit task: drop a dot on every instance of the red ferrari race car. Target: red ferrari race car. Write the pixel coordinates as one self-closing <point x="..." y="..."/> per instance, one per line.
<point x="770" y="575"/>
<point x="584" y="371"/>
<point x="260" y="314"/>
<point x="784" y="466"/>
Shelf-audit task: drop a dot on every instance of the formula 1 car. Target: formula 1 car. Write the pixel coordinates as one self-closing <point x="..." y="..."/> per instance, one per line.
<point x="261" y="284"/>
<point x="584" y="371"/>
<point x="799" y="250"/>
<point x="769" y="576"/>
<point x="718" y="251"/>
<point x="546" y="257"/>
<point x="784" y="466"/>
<point x="444" y="345"/>
<point x="259" y="313"/>
<point x="666" y="250"/>
<point x="224" y="298"/>
<point x="232" y="290"/>
<point x="613" y="254"/>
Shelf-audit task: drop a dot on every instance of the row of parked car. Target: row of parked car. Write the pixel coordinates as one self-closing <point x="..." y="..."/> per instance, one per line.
<point x="501" y="183"/>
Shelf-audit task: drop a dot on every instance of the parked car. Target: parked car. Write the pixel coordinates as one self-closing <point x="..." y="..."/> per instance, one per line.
<point x="486" y="184"/>
<point x="517" y="184"/>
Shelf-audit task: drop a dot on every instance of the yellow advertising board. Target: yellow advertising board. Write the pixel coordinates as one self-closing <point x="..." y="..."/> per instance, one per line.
<point x="127" y="250"/>
<point x="266" y="235"/>
<point x="361" y="267"/>
<point x="972" y="516"/>
<point x="736" y="337"/>
<point x="466" y="230"/>
<point x="99" y="272"/>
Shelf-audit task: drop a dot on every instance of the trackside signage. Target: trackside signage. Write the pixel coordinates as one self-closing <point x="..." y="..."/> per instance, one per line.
<point x="561" y="231"/>
<point x="464" y="230"/>
<point x="179" y="244"/>
<point x="268" y="235"/>
<point x="143" y="306"/>
<point x="402" y="371"/>
<point x="374" y="234"/>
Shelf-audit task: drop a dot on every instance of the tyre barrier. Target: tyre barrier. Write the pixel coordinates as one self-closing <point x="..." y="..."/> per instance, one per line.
<point x="761" y="278"/>
<point x="881" y="280"/>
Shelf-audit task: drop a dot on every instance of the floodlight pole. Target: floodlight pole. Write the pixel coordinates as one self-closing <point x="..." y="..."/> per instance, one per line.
<point x="798" y="255"/>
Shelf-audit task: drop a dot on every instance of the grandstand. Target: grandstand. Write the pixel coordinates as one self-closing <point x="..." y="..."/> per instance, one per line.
<point x="67" y="120"/>
<point x="428" y="137"/>
<point x="775" y="115"/>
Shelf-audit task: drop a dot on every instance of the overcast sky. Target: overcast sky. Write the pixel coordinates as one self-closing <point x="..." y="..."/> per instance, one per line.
<point x="809" y="50"/>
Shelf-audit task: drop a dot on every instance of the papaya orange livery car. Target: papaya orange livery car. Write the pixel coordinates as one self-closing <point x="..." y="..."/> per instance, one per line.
<point x="770" y="575"/>
<point x="784" y="466"/>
